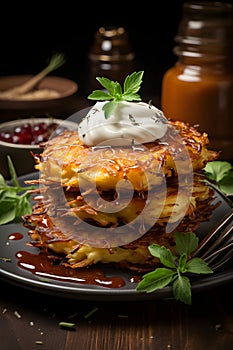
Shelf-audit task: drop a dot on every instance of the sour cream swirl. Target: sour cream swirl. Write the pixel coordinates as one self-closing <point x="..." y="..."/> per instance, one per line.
<point x="136" y="121"/>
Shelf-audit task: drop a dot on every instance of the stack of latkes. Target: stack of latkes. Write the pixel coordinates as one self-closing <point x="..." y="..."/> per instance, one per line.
<point x="108" y="204"/>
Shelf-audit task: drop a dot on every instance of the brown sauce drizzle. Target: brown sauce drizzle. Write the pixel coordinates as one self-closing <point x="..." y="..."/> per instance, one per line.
<point x="43" y="267"/>
<point x="15" y="236"/>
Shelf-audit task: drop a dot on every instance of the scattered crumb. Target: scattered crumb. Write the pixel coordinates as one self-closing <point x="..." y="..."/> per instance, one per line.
<point x="5" y="259"/>
<point x="91" y="312"/>
<point x="38" y="342"/>
<point x="17" y="314"/>
<point x="123" y="316"/>
<point x="218" y="327"/>
<point x="67" y="325"/>
<point x="73" y="315"/>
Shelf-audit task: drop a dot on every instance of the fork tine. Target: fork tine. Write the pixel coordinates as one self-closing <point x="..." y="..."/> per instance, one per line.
<point x="221" y="239"/>
<point x="213" y="256"/>
<point x="221" y="229"/>
<point x="224" y="259"/>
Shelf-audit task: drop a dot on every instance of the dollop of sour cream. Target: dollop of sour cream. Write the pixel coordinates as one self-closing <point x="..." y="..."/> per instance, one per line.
<point x="136" y="121"/>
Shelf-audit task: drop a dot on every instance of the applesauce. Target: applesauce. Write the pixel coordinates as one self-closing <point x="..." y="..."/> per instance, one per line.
<point x="199" y="88"/>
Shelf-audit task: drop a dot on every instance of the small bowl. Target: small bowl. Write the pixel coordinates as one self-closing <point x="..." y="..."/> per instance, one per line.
<point x="22" y="154"/>
<point x="12" y="108"/>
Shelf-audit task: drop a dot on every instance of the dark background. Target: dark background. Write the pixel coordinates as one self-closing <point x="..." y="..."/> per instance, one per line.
<point x="30" y="33"/>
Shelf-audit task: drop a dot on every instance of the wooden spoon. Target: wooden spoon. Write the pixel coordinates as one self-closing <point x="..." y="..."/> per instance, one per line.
<point x="56" y="61"/>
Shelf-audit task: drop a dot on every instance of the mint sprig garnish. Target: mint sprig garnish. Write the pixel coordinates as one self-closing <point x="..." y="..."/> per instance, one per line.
<point x="115" y="93"/>
<point x="221" y="172"/>
<point x="14" y="199"/>
<point x="177" y="270"/>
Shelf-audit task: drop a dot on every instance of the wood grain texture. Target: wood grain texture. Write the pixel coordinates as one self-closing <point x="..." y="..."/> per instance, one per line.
<point x="144" y="325"/>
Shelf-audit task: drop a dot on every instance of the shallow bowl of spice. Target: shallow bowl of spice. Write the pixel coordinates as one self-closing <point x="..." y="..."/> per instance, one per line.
<point x="52" y="95"/>
<point x="22" y="138"/>
<point x="39" y="94"/>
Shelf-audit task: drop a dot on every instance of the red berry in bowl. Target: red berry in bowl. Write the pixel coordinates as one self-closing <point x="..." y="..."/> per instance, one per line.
<point x="30" y="134"/>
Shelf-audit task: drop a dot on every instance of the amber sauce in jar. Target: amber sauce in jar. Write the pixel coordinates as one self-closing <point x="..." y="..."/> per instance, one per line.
<point x="199" y="88"/>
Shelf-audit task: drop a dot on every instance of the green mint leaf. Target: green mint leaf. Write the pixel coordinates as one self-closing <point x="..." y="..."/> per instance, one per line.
<point x="2" y="181"/>
<point x="8" y="192"/>
<point x="163" y="254"/>
<point x="181" y="289"/>
<point x="131" y="97"/>
<point x="107" y="84"/>
<point x="186" y="242"/>
<point x="23" y="206"/>
<point x="226" y="184"/>
<point x="100" y="95"/>
<point x="118" y="92"/>
<point x="114" y="92"/>
<point x="7" y="211"/>
<point x="133" y="82"/>
<point x="14" y="199"/>
<point x="198" y="266"/>
<point x="218" y="170"/>
<point x="109" y="108"/>
<point x="159" y="278"/>
<point x="221" y="173"/>
<point x="182" y="262"/>
<point x="12" y="171"/>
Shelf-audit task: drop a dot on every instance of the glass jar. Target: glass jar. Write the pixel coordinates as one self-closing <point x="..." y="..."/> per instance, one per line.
<point x="110" y="55"/>
<point x="199" y="88"/>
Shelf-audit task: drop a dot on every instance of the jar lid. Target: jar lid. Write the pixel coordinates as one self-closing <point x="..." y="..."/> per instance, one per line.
<point x="110" y="32"/>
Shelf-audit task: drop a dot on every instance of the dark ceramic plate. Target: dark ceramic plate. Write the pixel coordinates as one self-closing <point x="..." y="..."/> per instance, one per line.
<point x="11" y="272"/>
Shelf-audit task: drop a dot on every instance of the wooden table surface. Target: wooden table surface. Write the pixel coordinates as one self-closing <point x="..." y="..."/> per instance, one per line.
<point x="30" y="320"/>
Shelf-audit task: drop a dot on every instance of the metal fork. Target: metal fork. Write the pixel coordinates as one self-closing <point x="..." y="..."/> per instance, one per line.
<point x="217" y="246"/>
